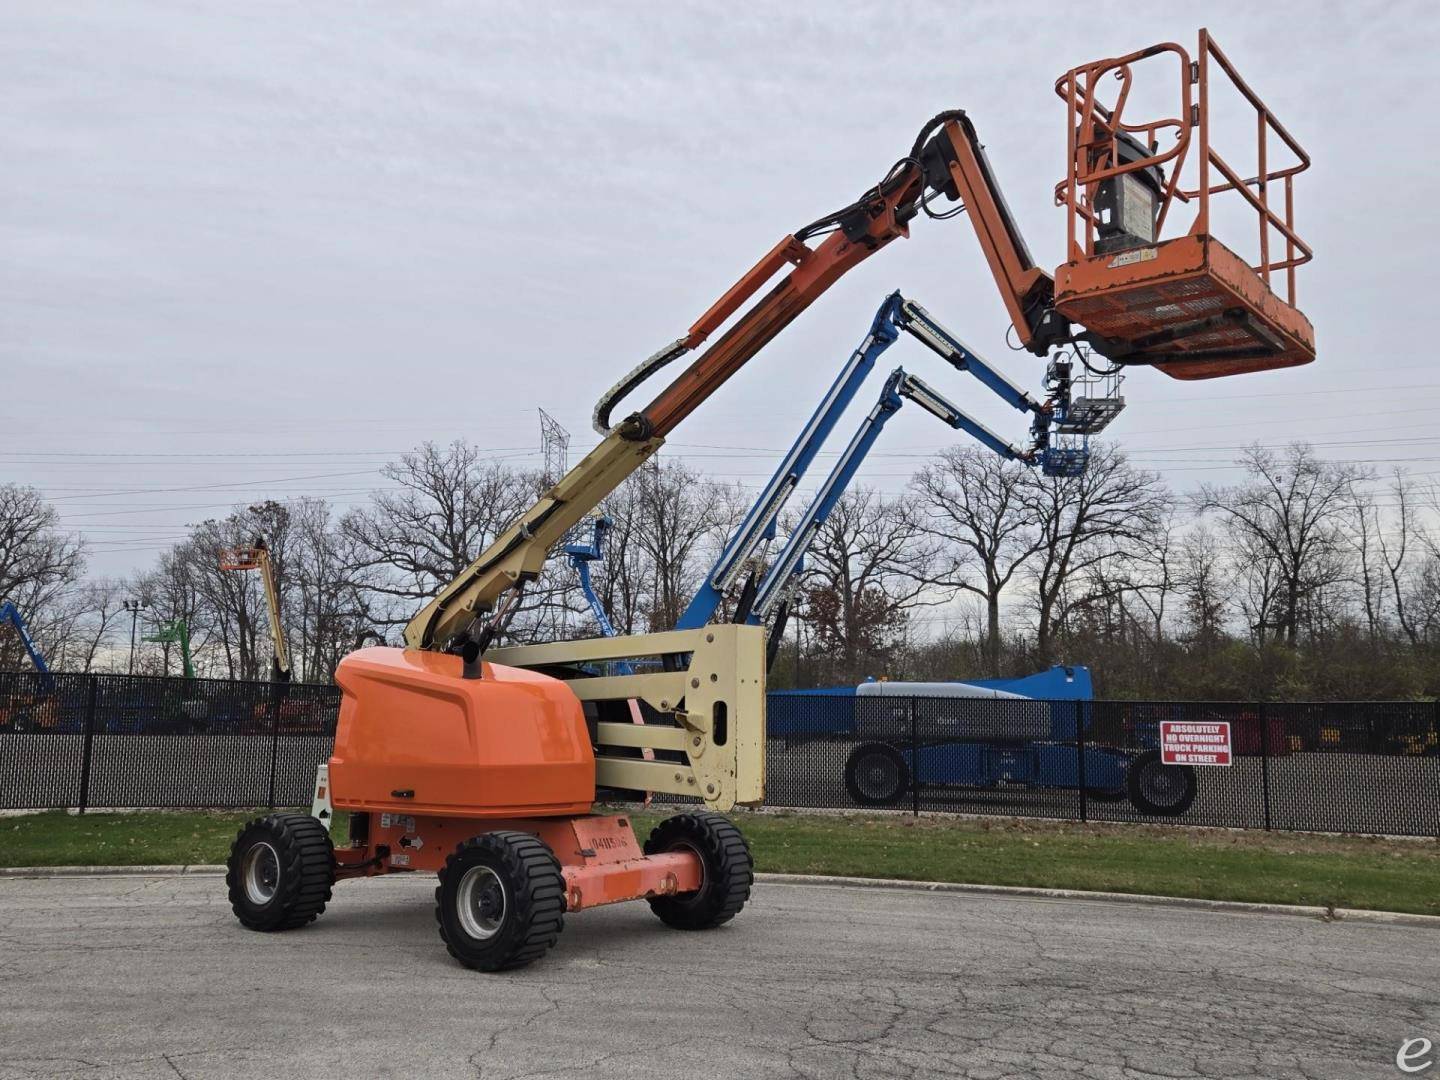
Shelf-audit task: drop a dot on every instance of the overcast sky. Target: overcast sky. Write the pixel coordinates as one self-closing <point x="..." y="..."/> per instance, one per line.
<point x="253" y="250"/>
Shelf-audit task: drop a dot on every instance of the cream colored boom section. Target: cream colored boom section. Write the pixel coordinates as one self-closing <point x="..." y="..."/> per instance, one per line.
<point x="520" y="551"/>
<point x="718" y="702"/>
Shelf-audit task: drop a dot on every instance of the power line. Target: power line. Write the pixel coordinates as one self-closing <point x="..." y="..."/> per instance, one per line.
<point x="219" y="487"/>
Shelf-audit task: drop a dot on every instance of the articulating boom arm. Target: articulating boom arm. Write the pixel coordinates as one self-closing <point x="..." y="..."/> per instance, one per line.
<point x="581" y="556"/>
<point x="945" y="160"/>
<point x="899" y="387"/>
<point x="896" y="312"/>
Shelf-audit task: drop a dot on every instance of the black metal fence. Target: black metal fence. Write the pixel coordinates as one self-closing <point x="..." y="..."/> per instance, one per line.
<point x="1363" y="767"/>
<point x="118" y="741"/>
<point x="1360" y="767"/>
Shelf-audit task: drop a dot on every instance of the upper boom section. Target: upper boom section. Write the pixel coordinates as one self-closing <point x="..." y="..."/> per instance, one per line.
<point x="933" y="168"/>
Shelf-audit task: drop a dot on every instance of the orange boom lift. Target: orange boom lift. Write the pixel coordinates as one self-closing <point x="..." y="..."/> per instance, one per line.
<point x="484" y="764"/>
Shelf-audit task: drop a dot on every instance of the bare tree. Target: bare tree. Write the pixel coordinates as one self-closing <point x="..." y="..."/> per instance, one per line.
<point x="450" y="505"/>
<point x="1365" y="540"/>
<point x="1155" y="572"/>
<point x="1110" y="512"/>
<point x="868" y="569"/>
<point x="622" y="579"/>
<point x="1204" y="586"/>
<point x="39" y="567"/>
<point x="326" y="594"/>
<point x="1396" y="549"/>
<point x="976" y="508"/>
<point x="1288" y="521"/>
<point x="37" y="559"/>
<point x="680" y="515"/>
<point x="98" y="609"/>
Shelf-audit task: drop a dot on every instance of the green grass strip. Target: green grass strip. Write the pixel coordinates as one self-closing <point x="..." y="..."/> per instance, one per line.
<point x="1284" y="868"/>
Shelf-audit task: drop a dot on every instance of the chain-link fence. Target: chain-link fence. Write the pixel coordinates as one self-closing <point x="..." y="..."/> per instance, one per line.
<point x="1364" y="767"/>
<point x="116" y="740"/>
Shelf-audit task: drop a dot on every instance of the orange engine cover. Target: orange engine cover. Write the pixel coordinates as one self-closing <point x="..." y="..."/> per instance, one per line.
<point x="416" y="737"/>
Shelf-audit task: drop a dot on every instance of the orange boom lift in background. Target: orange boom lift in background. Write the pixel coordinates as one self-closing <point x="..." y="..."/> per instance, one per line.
<point x="484" y="763"/>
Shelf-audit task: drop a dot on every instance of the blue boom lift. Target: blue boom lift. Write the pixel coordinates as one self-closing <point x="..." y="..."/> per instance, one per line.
<point x="1059" y="428"/>
<point x="9" y="613"/>
<point x="883" y="769"/>
<point x="581" y="556"/>
<point x="27" y="710"/>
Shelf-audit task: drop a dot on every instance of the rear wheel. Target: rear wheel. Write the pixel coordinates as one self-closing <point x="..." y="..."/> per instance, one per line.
<point x="1160" y="789"/>
<point x="501" y="901"/>
<point x="280" y="872"/>
<point x="876" y="775"/>
<point x="727" y="870"/>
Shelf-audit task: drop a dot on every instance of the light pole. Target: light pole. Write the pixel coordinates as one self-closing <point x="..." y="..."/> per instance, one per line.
<point x="134" y="607"/>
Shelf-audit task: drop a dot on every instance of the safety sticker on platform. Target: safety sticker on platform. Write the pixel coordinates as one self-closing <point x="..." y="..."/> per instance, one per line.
<point x="403" y="822"/>
<point x="1128" y="257"/>
<point x="1195" y="742"/>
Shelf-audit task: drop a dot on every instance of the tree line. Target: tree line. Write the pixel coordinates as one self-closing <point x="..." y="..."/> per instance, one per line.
<point x="1304" y="578"/>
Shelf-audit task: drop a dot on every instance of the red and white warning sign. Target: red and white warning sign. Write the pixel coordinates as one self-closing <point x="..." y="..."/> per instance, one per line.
<point x="1183" y="742"/>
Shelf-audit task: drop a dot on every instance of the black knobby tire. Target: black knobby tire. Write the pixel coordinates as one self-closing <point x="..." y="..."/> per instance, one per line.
<point x="1159" y="789"/>
<point x="501" y="901"/>
<point x="728" y="870"/>
<point x="280" y="872"/>
<point x="876" y="775"/>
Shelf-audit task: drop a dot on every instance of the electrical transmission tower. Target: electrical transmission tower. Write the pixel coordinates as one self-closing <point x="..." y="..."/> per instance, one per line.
<point x="555" y="446"/>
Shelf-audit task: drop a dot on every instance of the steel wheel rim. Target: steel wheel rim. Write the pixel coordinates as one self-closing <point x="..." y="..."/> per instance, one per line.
<point x="684" y="846"/>
<point x="877" y="776"/>
<point x="481" y="903"/>
<point x="1161" y="784"/>
<point x="262" y="873"/>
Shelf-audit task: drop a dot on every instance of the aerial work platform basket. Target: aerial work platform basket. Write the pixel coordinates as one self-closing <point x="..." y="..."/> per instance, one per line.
<point x="242" y="558"/>
<point x="1188" y="303"/>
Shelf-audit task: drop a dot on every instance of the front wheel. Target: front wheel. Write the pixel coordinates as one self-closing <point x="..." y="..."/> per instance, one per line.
<point x="501" y="901"/>
<point x="876" y="775"/>
<point x="727" y="870"/>
<point x="1159" y="789"/>
<point x="280" y="872"/>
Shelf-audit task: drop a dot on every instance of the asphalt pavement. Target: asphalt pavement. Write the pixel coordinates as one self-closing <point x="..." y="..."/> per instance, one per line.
<point x="132" y="977"/>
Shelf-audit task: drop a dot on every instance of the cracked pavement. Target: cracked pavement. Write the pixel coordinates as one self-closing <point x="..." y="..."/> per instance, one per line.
<point x="131" y="977"/>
